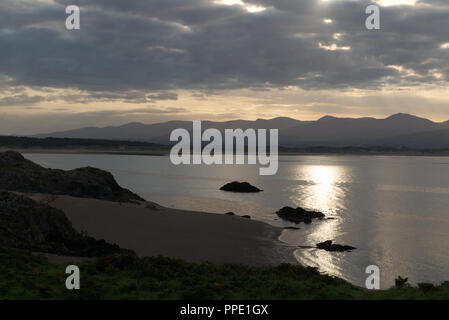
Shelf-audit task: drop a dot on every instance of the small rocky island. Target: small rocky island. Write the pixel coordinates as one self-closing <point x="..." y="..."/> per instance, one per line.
<point x="240" y="187"/>
<point x="329" y="246"/>
<point x="299" y="215"/>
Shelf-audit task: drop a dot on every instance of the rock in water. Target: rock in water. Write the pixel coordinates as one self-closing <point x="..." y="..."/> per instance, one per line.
<point x="329" y="246"/>
<point x="20" y="174"/>
<point x="291" y="228"/>
<point x="27" y="224"/>
<point x="240" y="187"/>
<point x="299" y="215"/>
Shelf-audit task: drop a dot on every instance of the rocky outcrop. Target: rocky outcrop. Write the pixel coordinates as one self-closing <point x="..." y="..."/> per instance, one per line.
<point x="20" y="174"/>
<point x="240" y="187"/>
<point x="329" y="246"/>
<point x="34" y="226"/>
<point x="299" y="215"/>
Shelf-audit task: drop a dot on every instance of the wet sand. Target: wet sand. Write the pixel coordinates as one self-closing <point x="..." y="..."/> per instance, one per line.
<point x="151" y="230"/>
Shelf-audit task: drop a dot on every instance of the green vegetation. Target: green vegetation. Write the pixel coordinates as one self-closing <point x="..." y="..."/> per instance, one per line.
<point x="26" y="276"/>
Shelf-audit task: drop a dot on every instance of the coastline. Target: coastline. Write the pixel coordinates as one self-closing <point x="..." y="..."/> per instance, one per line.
<point x="217" y="207"/>
<point x="166" y="152"/>
<point x="201" y="245"/>
<point x="156" y="152"/>
<point x="152" y="230"/>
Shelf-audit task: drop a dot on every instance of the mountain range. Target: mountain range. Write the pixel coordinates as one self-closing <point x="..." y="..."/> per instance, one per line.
<point x="399" y="130"/>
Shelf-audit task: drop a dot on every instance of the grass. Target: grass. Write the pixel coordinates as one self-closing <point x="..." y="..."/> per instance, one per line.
<point x="26" y="276"/>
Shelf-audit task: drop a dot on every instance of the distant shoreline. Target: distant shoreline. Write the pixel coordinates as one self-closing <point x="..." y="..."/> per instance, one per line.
<point x="165" y="152"/>
<point x="104" y="146"/>
<point x="409" y="154"/>
<point x="89" y="151"/>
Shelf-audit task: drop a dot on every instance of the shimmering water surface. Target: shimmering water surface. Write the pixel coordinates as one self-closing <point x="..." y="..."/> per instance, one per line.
<point x="394" y="209"/>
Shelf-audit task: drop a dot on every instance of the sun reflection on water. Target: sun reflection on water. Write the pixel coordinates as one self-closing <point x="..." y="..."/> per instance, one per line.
<point x="322" y="188"/>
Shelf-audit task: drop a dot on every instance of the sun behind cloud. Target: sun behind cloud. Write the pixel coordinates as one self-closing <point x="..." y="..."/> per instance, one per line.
<point x="388" y="3"/>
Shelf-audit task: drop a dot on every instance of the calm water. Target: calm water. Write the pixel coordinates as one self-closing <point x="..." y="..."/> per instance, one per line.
<point x="393" y="209"/>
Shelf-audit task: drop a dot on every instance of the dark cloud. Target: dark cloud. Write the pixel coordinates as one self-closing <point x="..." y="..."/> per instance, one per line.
<point x="127" y="50"/>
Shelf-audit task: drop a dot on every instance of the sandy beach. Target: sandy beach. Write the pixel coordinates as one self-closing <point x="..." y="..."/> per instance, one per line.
<point x="151" y="230"/>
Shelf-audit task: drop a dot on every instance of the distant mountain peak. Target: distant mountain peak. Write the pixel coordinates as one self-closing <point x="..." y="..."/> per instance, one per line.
<point x="403" y="116"/>
<point x="277" y="119"/>
<point x="327" y="118"/>
<point x="131" y="124"/>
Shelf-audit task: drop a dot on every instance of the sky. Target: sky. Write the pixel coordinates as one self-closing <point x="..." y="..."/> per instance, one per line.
<point x="157" y="60"/>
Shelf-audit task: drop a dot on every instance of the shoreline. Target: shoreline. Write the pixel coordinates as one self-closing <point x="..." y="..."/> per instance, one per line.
<point x="165" y="152"/>
<point x="153" y="230"/>
<point x="161" y="153"/>
<point x="209" y="207"/>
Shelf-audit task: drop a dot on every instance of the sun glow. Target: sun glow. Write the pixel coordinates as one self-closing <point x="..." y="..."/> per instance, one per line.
<point x="333" y="47"/>
<point x="250" y="8"/>
<point x="323" y="191"/>
<point x="404" y="71"/>
<point x="389" y="3"/>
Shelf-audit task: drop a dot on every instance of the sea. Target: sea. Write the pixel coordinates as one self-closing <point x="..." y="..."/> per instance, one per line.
<point x="393" y="209"/>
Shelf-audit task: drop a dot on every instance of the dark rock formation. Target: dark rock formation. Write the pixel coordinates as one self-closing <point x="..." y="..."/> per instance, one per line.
<point x="20" y="174"/>
<point x="246" y="216"/>
<point x="329" y="246"/>
<point x="291" y="228"/>
<point x="400" y="282"/>
<point x="299" y="215"/>
<point x="30" y="225"/>
<point x="240" y="187"/>
<point x="230" y="213"/>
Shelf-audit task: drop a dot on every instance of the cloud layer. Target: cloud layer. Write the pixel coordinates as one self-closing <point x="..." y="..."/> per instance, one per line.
<point x="198" y="44"/>
<point x="145" y="51"/>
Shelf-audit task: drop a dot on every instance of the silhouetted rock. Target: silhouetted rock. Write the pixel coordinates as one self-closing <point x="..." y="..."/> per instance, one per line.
<point x="400" y="282"/>
<point x="20" y="174"/>
<point x="329" y="246"/>
<point x="230" y="213"/>
<point x="239" y="187"/>
<point x="27" y="224"/>
<point x="299" y="215"/>
<point x="246" y="216"/>
<point x="291" y="228"/>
